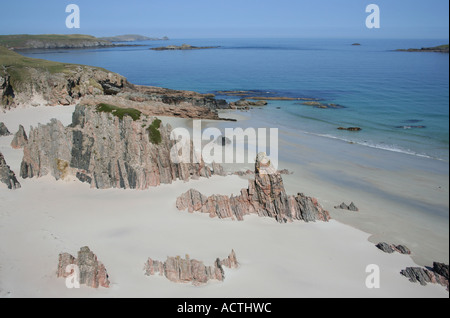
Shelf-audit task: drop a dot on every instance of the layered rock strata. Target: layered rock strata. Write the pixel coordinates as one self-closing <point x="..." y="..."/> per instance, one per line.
<point x="7" y="176"/>
<point x="428" y="276"/>
<point x="107" y="152"/>
<point x="391" y="248"/>
<point x="265" y="196"/>
<point x="186" y="270"/>
<point x="91" y="272"/>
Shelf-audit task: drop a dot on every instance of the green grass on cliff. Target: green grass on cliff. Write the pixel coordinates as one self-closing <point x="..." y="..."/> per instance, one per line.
<point x="118" y="111"/>
<point x="23" y="40"/>
<point x="18" y="67"/>
<point x="153" y="132"/>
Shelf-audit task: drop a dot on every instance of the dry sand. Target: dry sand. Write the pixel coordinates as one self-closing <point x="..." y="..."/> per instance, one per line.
<point x="125" y="227"/>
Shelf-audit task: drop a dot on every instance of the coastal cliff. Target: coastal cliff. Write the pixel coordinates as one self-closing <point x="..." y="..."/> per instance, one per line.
<point x="107" y="147"/>
<point x="28" y="81"/>
<point x="52" y="41"/>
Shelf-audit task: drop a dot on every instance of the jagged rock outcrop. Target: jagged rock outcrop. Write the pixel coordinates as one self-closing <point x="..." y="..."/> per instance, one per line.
<point x="424" y="276"/>
<point x="106" y="152"/>
<point x="231" y="261"/>
<point x="441" y="269"/>
<point x="351" y="207"/>
<point x="265" y="196"/>
<point x="7" y="176"/>
<point x="391" y="248"/>
<point x="186" y="270"/>
<point x="180" y="270"/>
<point x="92" y="272"/>
<point x="20" y="139"/>
<point x="3" y="129"/>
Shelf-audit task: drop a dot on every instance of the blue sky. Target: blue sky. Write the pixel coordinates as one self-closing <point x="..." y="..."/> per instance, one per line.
<point x="231" y="18"/>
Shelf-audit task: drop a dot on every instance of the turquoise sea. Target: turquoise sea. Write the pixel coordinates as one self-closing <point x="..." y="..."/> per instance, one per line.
<point x="399" y="99"/>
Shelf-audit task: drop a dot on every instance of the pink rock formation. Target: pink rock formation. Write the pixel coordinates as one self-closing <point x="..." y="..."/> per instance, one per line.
<point x="185" y="270"/>
<point x="20" y="139"/>
<point x="92" y="272"/>
<point x="265" y="196"/>
<point x="230" y="261"/>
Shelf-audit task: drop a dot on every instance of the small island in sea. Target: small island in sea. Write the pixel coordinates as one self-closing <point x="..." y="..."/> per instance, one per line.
<point x="182" y="47"/>
<point x="439" y="49"/>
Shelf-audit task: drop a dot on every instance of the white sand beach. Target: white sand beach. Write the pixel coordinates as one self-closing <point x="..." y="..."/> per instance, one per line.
<point x="126" y="227"/>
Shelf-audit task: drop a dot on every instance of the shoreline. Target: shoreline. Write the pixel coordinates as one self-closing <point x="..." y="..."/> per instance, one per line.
<point x="124" y="236"/>
<point x="409" y="189"/>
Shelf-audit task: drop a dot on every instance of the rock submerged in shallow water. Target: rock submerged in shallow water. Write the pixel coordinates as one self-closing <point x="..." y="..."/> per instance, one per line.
<point x="351" y="207"/>
<point x="20" y="139"/>
<point x="92" y="272"/>
<point x="223" y="141"/>
<point x="265" y="196"/>
<point x="4" y="130"/>
<point x="322" y="105"/>
<point x="411" y="127"/>
<point x="350" y="128"/>
<point x="7" y="176"/>
<point x="186" y="270"/>
<point x="247" y="103"/>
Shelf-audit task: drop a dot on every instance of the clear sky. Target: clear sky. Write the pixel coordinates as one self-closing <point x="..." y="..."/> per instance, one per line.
<point x="230" y="18"/>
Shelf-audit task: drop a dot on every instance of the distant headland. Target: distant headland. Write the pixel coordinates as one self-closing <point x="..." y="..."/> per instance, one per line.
<point x="54" y="41"/>
<point x="132" y="38"/>
<point x="440" y="49"/>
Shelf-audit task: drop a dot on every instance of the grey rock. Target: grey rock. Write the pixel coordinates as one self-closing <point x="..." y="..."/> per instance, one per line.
<point x="391" y="248"/>
<point x="7" y="176"/>
<point x="417" y="274"/>
<point x="441" y="269"/>
<point x="107" y="152"/>
<point x="3" y="130"/>
<point x="351" y="207"/>
<point x="385" y="247"/>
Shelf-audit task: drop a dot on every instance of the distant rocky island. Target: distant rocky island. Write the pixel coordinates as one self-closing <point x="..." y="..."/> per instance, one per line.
<point x="182" y="47"/>
<point x="132" y="38"/>
<point x="439" y="49"/>
<point x="54" y="41"/>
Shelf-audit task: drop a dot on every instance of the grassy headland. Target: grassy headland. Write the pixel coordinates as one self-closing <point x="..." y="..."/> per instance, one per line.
<point x="48" y="41"/>
<point x="440" y="49"/>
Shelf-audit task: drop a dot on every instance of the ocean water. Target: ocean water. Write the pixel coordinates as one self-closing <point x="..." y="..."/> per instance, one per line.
<point x="399" y="99"/>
